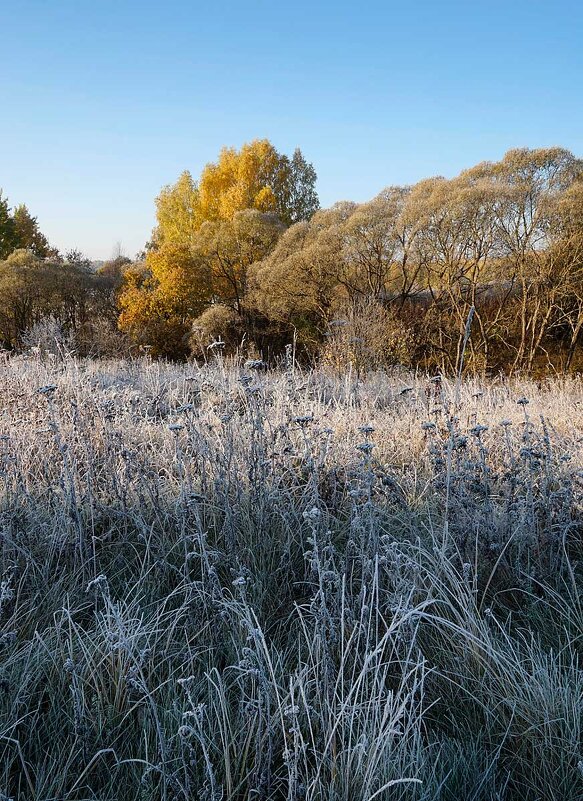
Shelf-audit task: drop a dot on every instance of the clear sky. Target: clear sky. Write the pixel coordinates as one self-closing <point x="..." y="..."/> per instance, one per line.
<point x="102" y="103"/>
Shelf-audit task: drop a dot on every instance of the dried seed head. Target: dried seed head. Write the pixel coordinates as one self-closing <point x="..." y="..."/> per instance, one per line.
<point x="255" y="364"/>
<point x="47" y="390"/>
<point x="98" y="581"/>
<point x="312" y="514"/>
<point x="365" y="447"/>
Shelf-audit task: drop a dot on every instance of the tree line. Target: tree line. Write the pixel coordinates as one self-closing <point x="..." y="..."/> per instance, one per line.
<point x="243" y="259"/>
<point x="53" y="298"/>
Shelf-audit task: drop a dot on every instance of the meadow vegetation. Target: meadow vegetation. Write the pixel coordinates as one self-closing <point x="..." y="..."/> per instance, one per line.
<point x="228" y="582"/>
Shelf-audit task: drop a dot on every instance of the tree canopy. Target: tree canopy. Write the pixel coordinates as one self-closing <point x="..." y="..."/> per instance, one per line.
<point x="209" y="232"/>
<point x="254" y="177"/>
<point x="19" y="230"/>
<point x="244" y="255"/>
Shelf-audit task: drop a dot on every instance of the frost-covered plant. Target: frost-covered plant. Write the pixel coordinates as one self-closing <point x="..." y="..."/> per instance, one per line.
<point x="224" y="582"/>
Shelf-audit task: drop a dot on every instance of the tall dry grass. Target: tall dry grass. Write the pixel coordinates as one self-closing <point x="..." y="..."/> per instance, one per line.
<point x="222" y="583"/>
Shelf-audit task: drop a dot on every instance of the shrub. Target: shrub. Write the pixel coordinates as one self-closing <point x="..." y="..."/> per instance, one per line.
<point x="366" y="335"/>
<point x="218" y="329"/>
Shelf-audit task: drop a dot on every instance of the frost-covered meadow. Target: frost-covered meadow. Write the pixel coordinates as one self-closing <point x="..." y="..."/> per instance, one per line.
<point x="229" y="583"/>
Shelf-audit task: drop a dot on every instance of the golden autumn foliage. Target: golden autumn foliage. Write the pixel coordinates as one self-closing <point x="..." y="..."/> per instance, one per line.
<point x="247" y="179"/>
<point x="159" y="299"/>
<point x="244" y="255"/>
<point x="182" y="277"/>
<point x="178" y="212"/>
<point x="208" y="234"/>
<point x="178" y="281"/>
<point x="254" y="177"/>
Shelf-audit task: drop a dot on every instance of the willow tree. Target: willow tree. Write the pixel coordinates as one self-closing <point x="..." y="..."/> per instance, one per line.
<point x="530" y="186"/>
<point x="302" y="280"/>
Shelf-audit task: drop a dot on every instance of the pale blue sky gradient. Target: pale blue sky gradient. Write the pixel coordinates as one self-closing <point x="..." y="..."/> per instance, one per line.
<point x="105" y="102"/>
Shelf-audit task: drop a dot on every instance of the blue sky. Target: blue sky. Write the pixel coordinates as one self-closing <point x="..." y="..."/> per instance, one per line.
<point x="105" y="102"/>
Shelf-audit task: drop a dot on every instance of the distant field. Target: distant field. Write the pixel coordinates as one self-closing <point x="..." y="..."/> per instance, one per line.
<point x="225" y="583"/>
